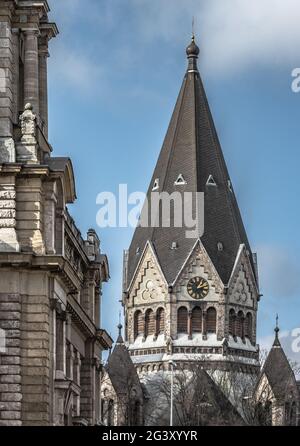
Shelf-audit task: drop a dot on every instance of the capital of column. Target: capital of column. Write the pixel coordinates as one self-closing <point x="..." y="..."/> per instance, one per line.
<point x="31" y="32"/>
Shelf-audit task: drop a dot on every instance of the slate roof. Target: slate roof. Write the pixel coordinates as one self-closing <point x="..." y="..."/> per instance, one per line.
<point x="278" y="371"/>
<point x="191" y="148"/>
<point x="121" y="370"/>
<point x="222" y="411"/>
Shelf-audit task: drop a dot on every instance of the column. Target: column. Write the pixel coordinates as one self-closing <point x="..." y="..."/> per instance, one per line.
<point x="43" y="86"/>
<point x="49" y="216"/>
<point x="7" y="150"/>
<point x="204" y="325"/>
<point x="31" y="70"/>
<point x="16" y="74"/>
<point x="70" y="361"/>
<point x="190" y="327"/>
<point x="60" y="346"/>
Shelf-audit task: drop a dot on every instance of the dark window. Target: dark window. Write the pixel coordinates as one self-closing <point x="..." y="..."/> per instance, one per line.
<point x="239" y="324"/>
<point x="160" y="321"/>
<point x="293" y="415"/>
<point x="197" y="320"/>
<point x="248" y="326"/>
<point x="110" y="413"/>
<point x="182" y="320"/>
<point x="232" y="322"/>
<point x="211" y="320"/>
<point x="138" y="324"/>
<point x="149" y="323"/>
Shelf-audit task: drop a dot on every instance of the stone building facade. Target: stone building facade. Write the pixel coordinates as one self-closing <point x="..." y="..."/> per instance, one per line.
<point x="50" y="276"/>
<point x="186" y="296"/>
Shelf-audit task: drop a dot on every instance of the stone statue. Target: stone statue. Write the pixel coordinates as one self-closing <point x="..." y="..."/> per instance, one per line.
<point x="28" y="125"/>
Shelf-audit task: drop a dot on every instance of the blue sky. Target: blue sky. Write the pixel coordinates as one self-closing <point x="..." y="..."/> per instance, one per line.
<point x="114" y="76"/>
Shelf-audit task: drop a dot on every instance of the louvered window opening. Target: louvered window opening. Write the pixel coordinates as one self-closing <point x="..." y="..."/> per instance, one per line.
<point x="197" y="320"/>
<point x="182" y="320"/>
<point x="211" y="320"/>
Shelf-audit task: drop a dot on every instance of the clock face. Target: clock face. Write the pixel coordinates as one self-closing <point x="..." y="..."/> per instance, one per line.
<point x="198" y="288"/>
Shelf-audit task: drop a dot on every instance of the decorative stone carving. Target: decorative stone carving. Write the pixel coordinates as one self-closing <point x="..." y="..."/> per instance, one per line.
<point x="28" y="125"/>
<point x="7" y="150"/>
<point x="149" y="293"/>
<point x="27" y="148"/>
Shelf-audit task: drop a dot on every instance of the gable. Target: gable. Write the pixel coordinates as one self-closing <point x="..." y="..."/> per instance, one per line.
<point x="149" y="285"/>
<point x="198" y="264"/>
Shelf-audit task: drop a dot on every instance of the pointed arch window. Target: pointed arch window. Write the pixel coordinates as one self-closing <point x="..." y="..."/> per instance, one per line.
<point x="149" y="323"/>
<point x="138" y="324"/>
<point x="239" y="325"/>
<point x="248" y="326"/>
<point x="180" y="181"/>
<point x="293" y="414"/>
<point x="110" y="413"/>
<point x="268" y="412"/>
<point x="160" y="321"/>
<point x="197" y="320"/>
<point x="211" y="320"/>
<point x="182" y="320"/>
<point x="232" y="319"/>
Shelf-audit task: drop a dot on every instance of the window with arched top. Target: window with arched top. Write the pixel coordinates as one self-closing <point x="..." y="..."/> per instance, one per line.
<point x="239" y="324"/>
<point x="293" y="414"/>
<point x="160" y="321"/>
<point x="232" y="322"/>
<point x="268" y="413"/>
<point x="138" y="324"/>
<point x="211" y="320"/>
<point x="182" y="320"/>
<point x="149" y="323"/>
<point x="197" y="320"/>
<point x="135" y="414"/>
<point x="110" y="413"/>
<point x="248" y="326"/>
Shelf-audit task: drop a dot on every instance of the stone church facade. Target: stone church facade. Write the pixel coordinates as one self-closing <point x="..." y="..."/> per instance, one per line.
<point x="188" y="296"/>
<point x="191" y="303"/>
<point x="51" y="276"/>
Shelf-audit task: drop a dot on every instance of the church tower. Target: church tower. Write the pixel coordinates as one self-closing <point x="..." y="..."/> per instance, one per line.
<point x="190" y="296"/>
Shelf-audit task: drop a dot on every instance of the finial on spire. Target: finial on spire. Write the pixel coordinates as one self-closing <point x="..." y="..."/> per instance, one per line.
<point x="192" y="50"/>
<point x="193" y="28"/>
<point x="277" y="330"/>
<point x="120" y="326"/>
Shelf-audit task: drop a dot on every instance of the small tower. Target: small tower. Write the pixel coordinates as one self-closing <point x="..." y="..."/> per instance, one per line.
<point x="276" y="390"/>
<point x="187" y="295"/>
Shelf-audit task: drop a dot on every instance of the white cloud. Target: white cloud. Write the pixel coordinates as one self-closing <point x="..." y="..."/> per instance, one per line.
<point x="234" y="34"/>
<point x="76" y="69"/>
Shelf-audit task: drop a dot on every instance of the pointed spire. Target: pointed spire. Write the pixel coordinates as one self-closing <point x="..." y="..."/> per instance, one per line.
<point x="277" y="330"/>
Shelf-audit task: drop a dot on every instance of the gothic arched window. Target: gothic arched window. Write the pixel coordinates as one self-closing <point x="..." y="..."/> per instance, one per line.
<point x="149" y="323"/>
<point x="160" y="321"/>
<point x="248" y="326"/>
<point x="110" y="413"/>
<point x="182" y="320"/>
<point x="211" y="320"/>
<point x="138" y="324"/>
<point x="232" y="319"/>
<point x="268" y="411"/>
<point x="293" y="415"/>
<point x="197" y="320"/>
<point x="239" y="325"/>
